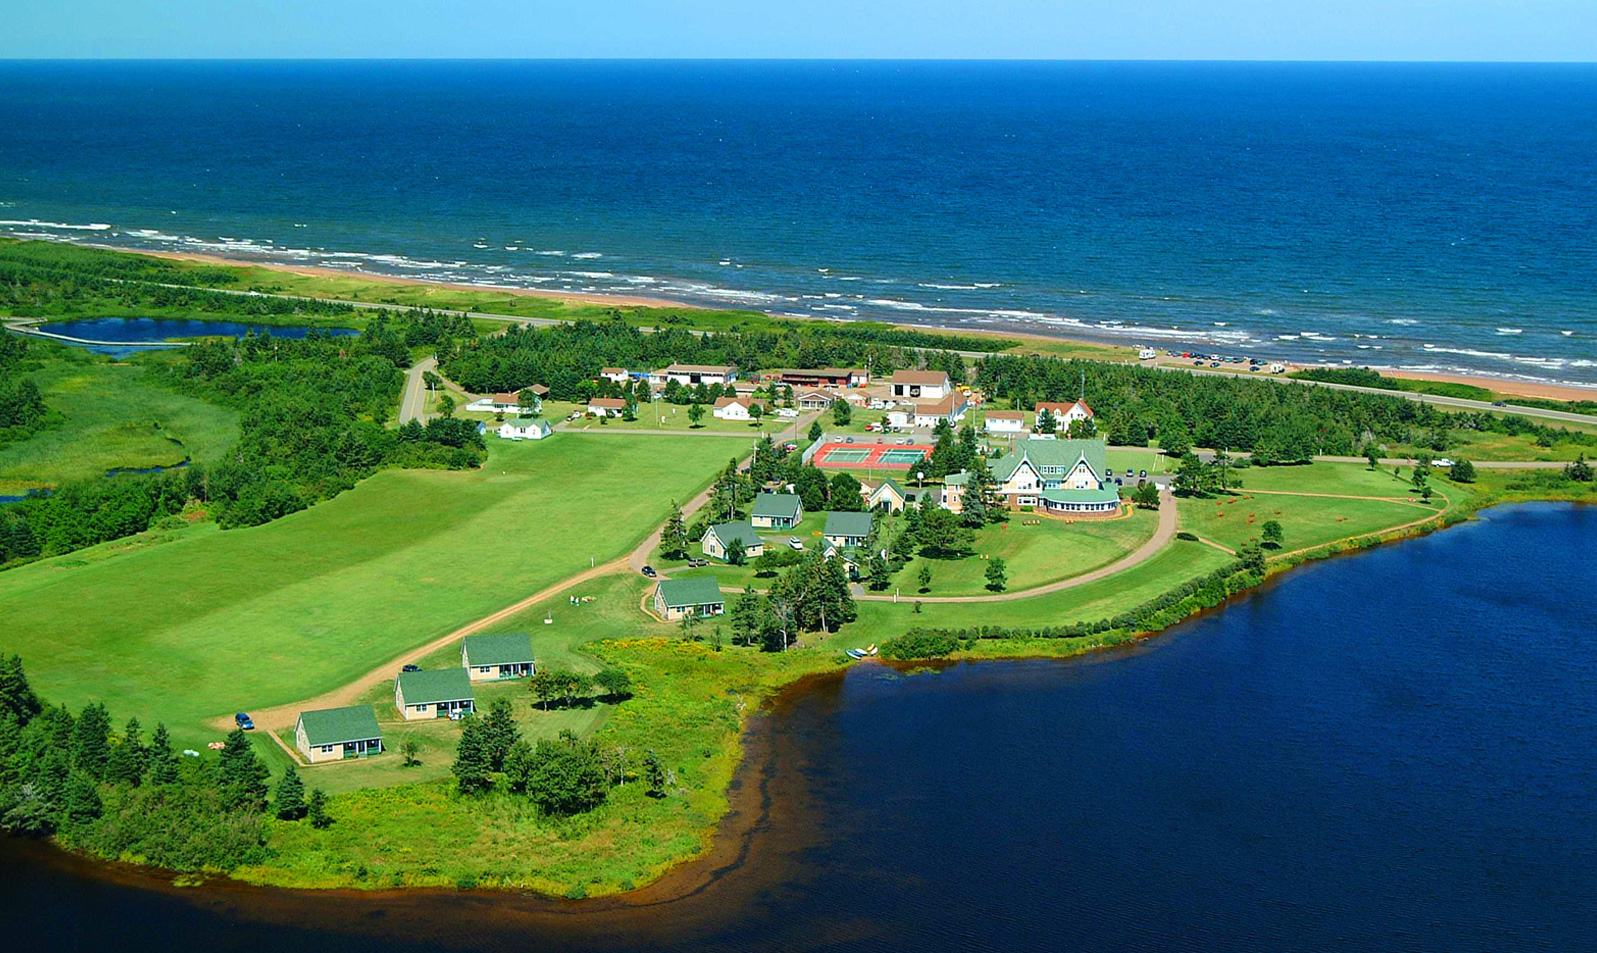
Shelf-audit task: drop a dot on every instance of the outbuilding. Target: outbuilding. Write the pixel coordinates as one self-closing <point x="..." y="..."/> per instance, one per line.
<point x="776" y="510"/>
<point x="525" y="428"/>
<point x="721" y="538"/>
<point x="606" y="407"/>
<point x="436" y="693"/>
<point x="699" y="596"/>
<point x="332" y="734"/>
<point x="492" y="657"/>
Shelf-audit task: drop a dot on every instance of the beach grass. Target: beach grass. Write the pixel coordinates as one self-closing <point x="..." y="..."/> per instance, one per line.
<point x="210" y="622"/>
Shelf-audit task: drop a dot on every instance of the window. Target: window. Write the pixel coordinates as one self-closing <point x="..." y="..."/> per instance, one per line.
<point x="327" y="749"/>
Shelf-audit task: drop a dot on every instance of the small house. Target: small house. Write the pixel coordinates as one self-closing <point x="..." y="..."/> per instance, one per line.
<point x="606" y="407"/>
<point x="332" y="734"/>
<point x="847" y="530"/>
<point x="616" y="374"/>
<point x="691" y="375"/>
<point x="1005" y="421"/>
<point x="815" y="400"/>
<point x="699" y="596"/>
<point x="776" y="511"/>
<point x="525" y="428"/>
<point x="722" y="538"/>
<point x="888" y="496"/>
<point x="493" y="657"/>
<point x="436" y="693"/>
<point x="735" y="408"/>
<point x="1064" y="414"/>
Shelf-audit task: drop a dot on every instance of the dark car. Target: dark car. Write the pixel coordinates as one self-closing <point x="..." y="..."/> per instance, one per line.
<point x="243" y="721"/>
<point x="649" y="571"/>
<point x="1499" y="403"/>
<point x="410" y="668"/>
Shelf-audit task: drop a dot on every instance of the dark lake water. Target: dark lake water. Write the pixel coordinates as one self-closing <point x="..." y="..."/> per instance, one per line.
<point x="146" y="331"/>
<point x="1386" y="752"/>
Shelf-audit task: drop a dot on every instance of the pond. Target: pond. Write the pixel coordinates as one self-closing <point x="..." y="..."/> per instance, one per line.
<point x="1384" y="752"/>
<point x="123" y="336"/>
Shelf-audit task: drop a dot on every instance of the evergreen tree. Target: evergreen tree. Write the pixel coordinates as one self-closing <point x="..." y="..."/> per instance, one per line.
<point x="674" y="537"/>
<point x="16" y="695"/>
<point x="695" y="415"/>
<point x="879" y="572"/>
<point x="91" y="742"/>
<point x="654" y="774"/>
<point x="163" y="760"/>
<point x="1189" y="475"/>
<point x="316" y="809"/>
<point x="128" y="759"/>
<point x="924" y="577"/>
<point x="1047" y="422"/>
<point x="290" y="800"/>
<point x="815" y="432"/>
<point x="473" y="766"/>
<point x="499" y="732"/>
<point x="997" y="578"/>
<point x="565" y="776"/>
<point x="240" y="775"/>
<point x="1146" y="496"/>
<point x="842" y="413"/>
<point x="81" y="801"/>
<point x="844" y="493"/>
<point x="1463" y="472"/>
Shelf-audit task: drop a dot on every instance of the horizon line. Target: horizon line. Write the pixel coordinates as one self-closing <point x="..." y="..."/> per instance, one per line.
<point x="785" y="59"/>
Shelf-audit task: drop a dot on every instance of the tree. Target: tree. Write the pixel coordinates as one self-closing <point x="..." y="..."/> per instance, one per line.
<point x="616" y="683"/>
<point x="1273" y="534"/>
<point x="1082" y="428"/>
<point x="564" y="776"/>
<point x="1175" y="439"/>
<point x="316" y="809"/>
<point x="1189" y="475"/>
<point x="757" y="411"/>
<point x="473" y="767"/>
<point x="240" y="775"/>
<point x="16" y="695"/>
<point x="163" y="760"/>
<point x="1579" y="470"/>
<point x="82" y="805"/>
<point x="408" y="748"/>
<point x="128" y="758"/>
<point x="1372" y="453"/>
<point x="654" y="774"/>
<point x="1047" y="422"/>
<point x="845" y="493"/>
<point x="499" y="732"/>
<point x="290" y="800"/>
<point x="528" y="402"/>
<point x="1146" y="495"/>
<point x="695" y="415"/>
<point x="842" y="413"/>
<point x="1463" y="472"/>
<point x="91" y="741"/>
<point x="674" y="538"/>
<point x="545" y="685"/>
<point x="446" y="406"/>
<point x="815" y="432"/>
<point x="942" y="535"/>
<point x="878" y="571"/>
<point x="997" y="579"/>
<point x="735" y="553"/>
<point x="924" y="577"/>
<point x="431" y="379"/>
<point x="1252" y="556"/>
<point x="749" y="618"/>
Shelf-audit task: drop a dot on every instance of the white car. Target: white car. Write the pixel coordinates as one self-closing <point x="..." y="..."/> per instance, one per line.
<point x="1441" y="462"/>
<point x="786" y="412"/>
<point x="795" y="542"/>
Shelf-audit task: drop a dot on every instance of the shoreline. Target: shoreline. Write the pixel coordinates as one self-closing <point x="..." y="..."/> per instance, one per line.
<point x="1541" y="389"/>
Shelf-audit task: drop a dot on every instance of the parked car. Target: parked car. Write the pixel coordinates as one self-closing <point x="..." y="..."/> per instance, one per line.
<point x="1499" y="403"/>
<point x="649" y="571"/>
<point x="848" y="440"/>
<point x="1143" y="474"/>
<point x="1442" y="462"/>
<point x="243" y="721"/>
<point x="410" y="668"/>
<point x="795" y="542"/>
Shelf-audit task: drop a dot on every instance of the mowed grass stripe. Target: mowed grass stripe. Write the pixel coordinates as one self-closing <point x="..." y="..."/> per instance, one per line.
<point x="218" y="621"/>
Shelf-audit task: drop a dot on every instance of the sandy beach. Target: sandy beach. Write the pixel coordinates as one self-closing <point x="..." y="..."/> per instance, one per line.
<point x="1547" y="390"/>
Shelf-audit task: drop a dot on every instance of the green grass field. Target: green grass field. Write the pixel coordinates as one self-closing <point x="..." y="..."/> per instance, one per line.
<point x="1345" y="479"/>
<point x="111" y="415"/>
<point x="1307" y="520"/>
<point x="1034" y="555"/>
<point x="214" y="622"/>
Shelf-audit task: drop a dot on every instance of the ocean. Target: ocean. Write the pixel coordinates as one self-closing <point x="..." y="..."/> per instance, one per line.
<point x="1428" y="217"/>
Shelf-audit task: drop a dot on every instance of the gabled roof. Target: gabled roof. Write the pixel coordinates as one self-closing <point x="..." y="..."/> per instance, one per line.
<point x="957" y="479"/>
<point x="737" y="531"/>
<point x="1052" y="453"/>
<point x="887" y="485"/>
<point x="509" y="648"/>
<point x="688" y="593"/>
<point x="777" y="505"/>
<point x="529" y="423"/>
<point x="827" y="396"/>
<point x="700" y="368"/>
<point x="1006" y="415"/>
<point x="608" y="403"/>
<point x="334" y="726"/>
<point x="612" y="370"/>
<point x="1060" y="409"/>
<point x="847" y="524"/>
<point x="921" y="377"/>
<point x="435" y="685"/>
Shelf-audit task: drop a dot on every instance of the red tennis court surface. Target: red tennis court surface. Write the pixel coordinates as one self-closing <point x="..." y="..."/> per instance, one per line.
<point x="866" y="456"/>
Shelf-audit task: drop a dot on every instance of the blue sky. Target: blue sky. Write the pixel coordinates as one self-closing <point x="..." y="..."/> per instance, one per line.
<point x="1029" y="29"/>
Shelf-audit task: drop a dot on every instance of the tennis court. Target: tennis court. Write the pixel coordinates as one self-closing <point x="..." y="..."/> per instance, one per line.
<point x="870" y="456"/>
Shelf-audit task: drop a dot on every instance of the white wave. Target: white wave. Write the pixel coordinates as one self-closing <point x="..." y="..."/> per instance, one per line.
<point x="35" y="223"/>
<point x="1467" y="352"/>
<point x="931" y="284"/>
<point x="591" y="274"/>
<point x="1567" y="334"/>
<point x="1286" y="337"/>
<point x="1510" y="330"/>
<point x="588" y="254"/>
<point x="1403" y="321"/>
<point x="989" y="284"/>
<point x="553" y="253"/>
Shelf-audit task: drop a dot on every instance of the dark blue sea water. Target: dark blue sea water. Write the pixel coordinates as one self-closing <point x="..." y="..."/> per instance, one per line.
<point x="1424" y="216"/>
<point x="136" y="334"/>
<point x="1385" y="753"/>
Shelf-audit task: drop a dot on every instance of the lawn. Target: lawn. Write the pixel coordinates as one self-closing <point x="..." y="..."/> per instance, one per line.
<point x="1034" y="555"/>
<point x="1101" y="598"/>
<point x="1306" y="520"/>
<point x="111" y="416"/>
<point x="1344" y="479"/>
<point x="213" y="622"/>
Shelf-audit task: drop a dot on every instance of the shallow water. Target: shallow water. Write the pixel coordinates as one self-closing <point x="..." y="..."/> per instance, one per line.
<point x="149" y="331"/>
<point x="1384" y="752"/>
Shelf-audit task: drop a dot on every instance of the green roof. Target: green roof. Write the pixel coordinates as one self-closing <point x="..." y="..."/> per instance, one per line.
<point x="877" y="493"/>
<point x="1109" y="494"/>
<point x="957" y="479"/>
<point x="687" y="593"/>
<point x="506" y="649"/>
<point x="1052" y="453"/>
<point x="740" y="531"/>
<point x="777" y="506"/>
<point x="847" y="524"/>
<point x="334" y="726"/>
<point x="525" y="422"/>
<point x="435" y="685"/>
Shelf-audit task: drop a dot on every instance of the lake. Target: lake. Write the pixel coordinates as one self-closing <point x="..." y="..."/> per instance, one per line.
<point x="1383" y="752"/>
<point x="137" y="334"/>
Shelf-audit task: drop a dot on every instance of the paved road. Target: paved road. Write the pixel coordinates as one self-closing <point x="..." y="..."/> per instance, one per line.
<point x="413" y="406"/>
